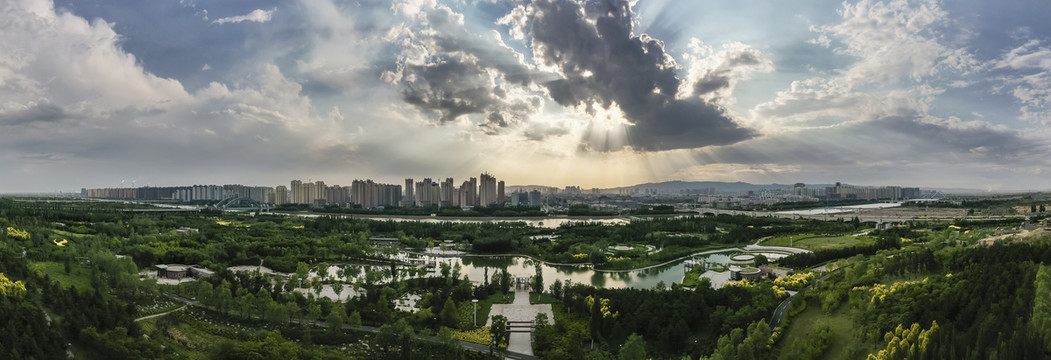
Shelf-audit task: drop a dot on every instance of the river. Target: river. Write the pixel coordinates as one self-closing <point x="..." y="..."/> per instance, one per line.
<point x="839" y="209"/>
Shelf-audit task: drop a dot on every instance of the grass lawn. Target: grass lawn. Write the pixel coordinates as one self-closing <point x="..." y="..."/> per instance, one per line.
<point x="693" y="277"/>
<point x="842" y="344"/>
<point x="67" y="233"/>
<point x="484" y="305"/>
<point x="187" y="337"/>
<point x="78" y="277"/>
<point x="818" y="242"/>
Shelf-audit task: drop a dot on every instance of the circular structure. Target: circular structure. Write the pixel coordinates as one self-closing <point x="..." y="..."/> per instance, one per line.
<point x="742" y="260"/>
<point x="750" y="273"/>
<point x="743" y="257"/>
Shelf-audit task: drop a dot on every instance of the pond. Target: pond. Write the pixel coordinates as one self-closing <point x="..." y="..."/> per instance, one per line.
<point x="478" y="267"/>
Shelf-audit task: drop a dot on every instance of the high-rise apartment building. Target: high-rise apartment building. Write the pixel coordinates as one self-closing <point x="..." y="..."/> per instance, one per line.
<point x="487" y="190"/>
<point x="296" y="190"/>
<point x="500" y="192"/>
<point x="447" y="190"/>
<point x="370" y="194"/>
<point x="281" y="195"/>
<point x="410" y="196"/>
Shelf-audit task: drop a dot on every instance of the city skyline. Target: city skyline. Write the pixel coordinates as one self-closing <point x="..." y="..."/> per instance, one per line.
<point x="935" y="94"/>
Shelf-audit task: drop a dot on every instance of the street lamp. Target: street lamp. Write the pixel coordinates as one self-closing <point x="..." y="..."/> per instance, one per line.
<point x="475" y="303"/>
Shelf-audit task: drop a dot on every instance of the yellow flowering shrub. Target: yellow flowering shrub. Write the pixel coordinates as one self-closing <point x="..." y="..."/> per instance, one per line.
<point x="603" y="306"/>
<point x="478" y="336"/>
<point x="742" y="283"/>
<point x="11" y="288"/>
<point x="15" y="233"/>
<point x="795" y="281"/>
<point x="881" y="291"/>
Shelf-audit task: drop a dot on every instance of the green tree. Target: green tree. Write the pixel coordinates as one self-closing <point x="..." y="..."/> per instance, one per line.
<point x="597" y="257"/>
<point x="450" y="343"/>
<point x="544" y="335"/>
<point x="556" y="289"/>
<point x="505" y="281"/>
<point x="498" y="330"/>
<point x="336" y="317"/>
<point x="448" y="314"/>
<point x="633" y="349"/>
<point x="538" y="281"/>
<point x="314" y="310"/>
<point x="354" y="320"/>
<point x="302" y="271"/>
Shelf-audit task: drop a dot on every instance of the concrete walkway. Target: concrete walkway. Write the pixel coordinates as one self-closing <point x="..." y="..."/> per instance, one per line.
<point x="159" y="315"/>
<point x="520" y="310"/>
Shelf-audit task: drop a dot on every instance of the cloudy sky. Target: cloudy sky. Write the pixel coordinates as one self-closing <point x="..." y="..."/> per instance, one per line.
<point x="592" y="93"/>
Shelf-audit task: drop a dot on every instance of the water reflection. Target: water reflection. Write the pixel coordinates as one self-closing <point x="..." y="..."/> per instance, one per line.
<point x="476" y="267"/>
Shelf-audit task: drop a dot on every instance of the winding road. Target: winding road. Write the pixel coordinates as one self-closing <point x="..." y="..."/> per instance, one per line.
<point x="779" y="312"/>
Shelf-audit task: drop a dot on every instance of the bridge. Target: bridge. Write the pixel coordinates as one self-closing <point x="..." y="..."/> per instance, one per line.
<point x="241" y="204"/>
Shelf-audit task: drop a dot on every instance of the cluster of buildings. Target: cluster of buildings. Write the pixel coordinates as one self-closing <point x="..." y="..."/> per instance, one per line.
<point x="482" y="191"/>
<point x="848" y="192"/>
<point x="486" y="191"/>
<point x="263" y="194"/>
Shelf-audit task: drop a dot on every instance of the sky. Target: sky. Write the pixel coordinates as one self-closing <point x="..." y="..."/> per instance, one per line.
<point x="110" y="93"/>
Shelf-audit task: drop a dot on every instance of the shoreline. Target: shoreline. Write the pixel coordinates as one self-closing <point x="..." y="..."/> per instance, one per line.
<point x="592" y="265"/>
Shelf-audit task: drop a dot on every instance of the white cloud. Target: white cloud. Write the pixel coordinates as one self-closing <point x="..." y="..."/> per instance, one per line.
<point x="897" y="40"/>
<point x="1031" y="80"/>
<point x="340" y="56"/>
<point x="713" y="74"/>
<point x="69" y="90"/>
<point x="49" y="56"/>
<point x="257" y="15"/>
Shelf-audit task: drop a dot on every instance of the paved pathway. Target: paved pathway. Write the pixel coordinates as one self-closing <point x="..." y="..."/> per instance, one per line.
<point x="779" y="312"/>
<point x="161" y="314"/>
<point x="520" y="310"/>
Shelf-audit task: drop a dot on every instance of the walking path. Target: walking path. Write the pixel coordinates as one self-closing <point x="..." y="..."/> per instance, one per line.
<point x="161" y="314"/>
<point x="780" y="311"/>
<point x="520" y="310"/>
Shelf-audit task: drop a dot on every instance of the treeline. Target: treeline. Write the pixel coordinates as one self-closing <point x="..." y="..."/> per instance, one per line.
<point x="984" y="304"/>
<point x="673" y="322"/>
<point x="808" y="259"/>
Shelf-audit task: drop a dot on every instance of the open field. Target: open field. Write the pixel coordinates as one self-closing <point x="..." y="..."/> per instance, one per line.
<point x="485" y="305"/>
<point x="814" y="242"/>
<point x="805" y="324"/>
<point x="69" y="234"/>
<point x="77" y="277"/>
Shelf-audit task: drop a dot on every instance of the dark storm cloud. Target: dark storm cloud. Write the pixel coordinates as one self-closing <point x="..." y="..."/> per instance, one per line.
<point x="461" y="73"/>
<point x="602" y="62"/>
<point x="38" y="114"/>
<point x="452" y="88"/>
